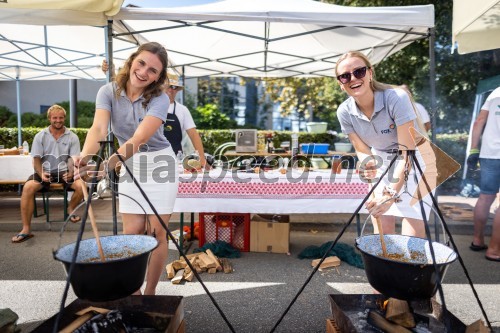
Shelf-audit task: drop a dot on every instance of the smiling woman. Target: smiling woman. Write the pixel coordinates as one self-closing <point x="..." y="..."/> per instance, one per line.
<point x="136" y="107"/>
<point x="378" y="120"/>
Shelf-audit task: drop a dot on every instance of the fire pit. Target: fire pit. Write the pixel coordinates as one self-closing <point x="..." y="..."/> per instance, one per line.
<point x="168" y="312"/>
<point x="350" y="312"/>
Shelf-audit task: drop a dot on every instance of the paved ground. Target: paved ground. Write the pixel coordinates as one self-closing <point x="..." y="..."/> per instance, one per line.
<point x="254" y="296"/>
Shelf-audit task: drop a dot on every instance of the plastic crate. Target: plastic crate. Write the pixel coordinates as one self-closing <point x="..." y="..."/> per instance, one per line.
<point x="315" y="148"/>
<point x="228" y="227"/>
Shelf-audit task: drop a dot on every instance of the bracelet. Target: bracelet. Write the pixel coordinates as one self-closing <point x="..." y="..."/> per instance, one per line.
<point x="474" y="151"/>
<point x="388" y="190"/>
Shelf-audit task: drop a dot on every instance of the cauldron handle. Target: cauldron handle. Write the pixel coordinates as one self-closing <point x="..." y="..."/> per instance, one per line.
<point x="446" y="239"/>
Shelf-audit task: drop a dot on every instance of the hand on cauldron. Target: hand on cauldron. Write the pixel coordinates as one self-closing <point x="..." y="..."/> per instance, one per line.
<point x="379" y="205"/>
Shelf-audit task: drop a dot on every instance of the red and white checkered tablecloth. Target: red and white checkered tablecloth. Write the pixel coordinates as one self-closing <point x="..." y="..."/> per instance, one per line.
<point x="270" y="192"/>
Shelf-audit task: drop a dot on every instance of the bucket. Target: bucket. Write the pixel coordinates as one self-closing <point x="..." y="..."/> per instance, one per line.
<point x="316" y="127"/>
<point x="119" y="276"/>
<point x="410" y="277"/>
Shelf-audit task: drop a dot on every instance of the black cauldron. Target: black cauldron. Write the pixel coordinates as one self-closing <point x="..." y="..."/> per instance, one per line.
<point x="411" y="277"/>
<point x="119" y="276"/>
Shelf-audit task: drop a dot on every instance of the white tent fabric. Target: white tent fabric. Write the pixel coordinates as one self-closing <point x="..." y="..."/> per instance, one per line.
<point x="476" y="25"/>
<point x="276" y="38"/>
<point x="49" y="39"/>
<point x="259" y="38"/>
<point x="54" y="12"/>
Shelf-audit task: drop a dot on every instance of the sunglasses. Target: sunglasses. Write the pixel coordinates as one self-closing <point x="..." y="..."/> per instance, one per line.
<point x="358" y="73"/>
<point x="173" y="87"/>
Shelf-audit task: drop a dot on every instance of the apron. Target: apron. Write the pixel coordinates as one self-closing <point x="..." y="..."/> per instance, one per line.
<point x="172" y="131"/>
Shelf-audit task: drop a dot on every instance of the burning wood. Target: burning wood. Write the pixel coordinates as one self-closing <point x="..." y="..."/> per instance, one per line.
<point x="399" y="312"/>
<point x="377" y="320"/>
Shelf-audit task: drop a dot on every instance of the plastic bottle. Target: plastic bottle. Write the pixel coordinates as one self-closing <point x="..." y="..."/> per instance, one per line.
<point x="336" y="164"/>
<point x="180" y="158"/>
<point x="295" y="144"/>
<point x="26" y="148"/>
<point x="270" y="145"/>
<point x="295" y="149"/>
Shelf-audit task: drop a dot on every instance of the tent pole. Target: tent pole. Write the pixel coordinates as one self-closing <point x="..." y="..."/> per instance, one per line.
<point x="432" y="85"/>
<point x="432" y="82"/>
<point x="18" y="99"/>
<point x="72" y="103"/>
<point x="111" y="138"/>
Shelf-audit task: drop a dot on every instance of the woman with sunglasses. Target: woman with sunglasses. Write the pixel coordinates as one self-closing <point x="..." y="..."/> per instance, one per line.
<point x="136" y="107"/>
<point x="378" y="120"/>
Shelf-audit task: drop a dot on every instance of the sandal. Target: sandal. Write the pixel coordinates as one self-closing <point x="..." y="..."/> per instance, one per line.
<point x="22" y="237"/>
<point x="477" y="248"/>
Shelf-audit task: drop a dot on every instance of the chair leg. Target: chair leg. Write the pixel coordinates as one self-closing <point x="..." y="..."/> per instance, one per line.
<point x="65" y="206"/>
<point x="35" y="211"/>
<point x="46" y="206"/>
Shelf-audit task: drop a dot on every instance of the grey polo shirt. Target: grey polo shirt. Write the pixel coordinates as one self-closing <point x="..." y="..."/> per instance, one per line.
<point x="392" y="108"/>
<point x="126" y="115"/>
<point x="55" y="153"/>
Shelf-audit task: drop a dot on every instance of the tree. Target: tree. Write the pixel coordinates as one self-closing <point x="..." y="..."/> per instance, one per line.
<point x="209" y="116"/>
<point x="216" y="91"/>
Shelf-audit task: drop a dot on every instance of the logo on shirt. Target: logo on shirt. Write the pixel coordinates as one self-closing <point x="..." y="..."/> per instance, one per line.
<point x="389" y="130"/>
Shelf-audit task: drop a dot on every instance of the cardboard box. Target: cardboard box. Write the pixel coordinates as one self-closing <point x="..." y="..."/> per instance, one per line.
<point x="271" y="237"/>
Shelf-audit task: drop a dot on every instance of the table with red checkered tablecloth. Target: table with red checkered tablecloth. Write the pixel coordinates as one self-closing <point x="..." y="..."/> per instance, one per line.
<point x="271" y="192"/>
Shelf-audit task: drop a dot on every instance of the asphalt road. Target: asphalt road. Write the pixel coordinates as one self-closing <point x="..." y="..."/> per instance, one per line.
<point x="253" y="297"/>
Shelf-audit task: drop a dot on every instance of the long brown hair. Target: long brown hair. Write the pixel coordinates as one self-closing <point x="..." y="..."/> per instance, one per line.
<point x="156" y="87"/>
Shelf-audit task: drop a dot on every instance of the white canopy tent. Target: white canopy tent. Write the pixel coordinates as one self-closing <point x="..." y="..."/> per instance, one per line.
<point x="476" y="25"/>
<point x="275" y="38"/>
<point x="259" y="38"/>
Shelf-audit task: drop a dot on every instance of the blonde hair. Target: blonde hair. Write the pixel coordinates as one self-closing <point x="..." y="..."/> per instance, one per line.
<point x="156" y="87"/>
<point x="54" y="108"/>
<point x="379" y="86"/>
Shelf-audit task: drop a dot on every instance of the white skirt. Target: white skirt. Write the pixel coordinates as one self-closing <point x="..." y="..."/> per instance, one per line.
<point x="409" y="206"/>
<point x="157" y="175"/>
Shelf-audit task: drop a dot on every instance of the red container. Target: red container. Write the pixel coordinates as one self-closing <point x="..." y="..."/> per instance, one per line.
<point x="231" y="228"/>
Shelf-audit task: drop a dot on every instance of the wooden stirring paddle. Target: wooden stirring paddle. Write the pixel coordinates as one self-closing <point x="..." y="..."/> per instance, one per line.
<point x="93" y="223"/>
<point x="380" y="231"/>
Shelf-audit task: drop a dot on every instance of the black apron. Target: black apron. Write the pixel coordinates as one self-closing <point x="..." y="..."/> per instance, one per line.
<point x="172" y="131"/>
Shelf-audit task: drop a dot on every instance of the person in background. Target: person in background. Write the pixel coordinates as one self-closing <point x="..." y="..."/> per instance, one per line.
<point x="52" y="149"/>
<point x="136" y="107"/>
<point x="378" y="119"/>
<point x="422" y="112"/>
<point x="179" y="120"/>
<point x="487" y="125"/>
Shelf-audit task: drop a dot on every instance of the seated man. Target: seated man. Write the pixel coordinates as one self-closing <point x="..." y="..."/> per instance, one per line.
<point x="52" y="149"/>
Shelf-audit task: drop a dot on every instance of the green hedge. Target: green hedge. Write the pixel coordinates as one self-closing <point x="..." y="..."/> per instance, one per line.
<point x="211" y="138"/>
<point x="453" y="144"/>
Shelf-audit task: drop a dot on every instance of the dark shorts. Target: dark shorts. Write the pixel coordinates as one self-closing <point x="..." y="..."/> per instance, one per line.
<point x="54" y="178"/>
<point x="490" y="175"/>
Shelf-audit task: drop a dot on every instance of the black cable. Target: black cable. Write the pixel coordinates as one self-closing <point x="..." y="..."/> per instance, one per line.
<point x="413" y="160"/>
<point x="435" y="203"/>
<point x="333" y="244"/>
<point x="77" y="244"/>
